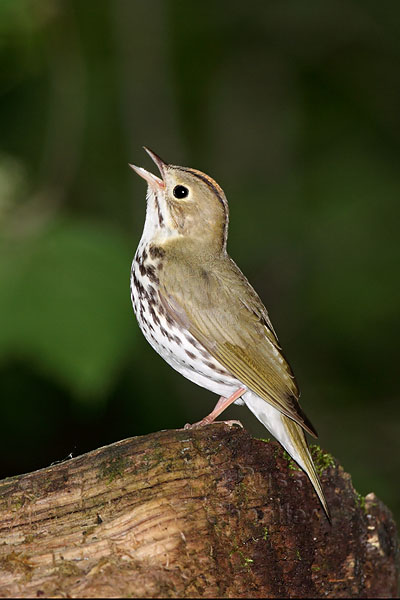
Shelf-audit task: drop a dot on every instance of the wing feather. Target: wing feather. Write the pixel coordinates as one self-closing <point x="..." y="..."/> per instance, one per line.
<point x="235" y="329"/>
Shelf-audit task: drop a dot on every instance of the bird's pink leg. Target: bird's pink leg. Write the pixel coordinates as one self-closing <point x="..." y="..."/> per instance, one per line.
<point x="221" y="405"/>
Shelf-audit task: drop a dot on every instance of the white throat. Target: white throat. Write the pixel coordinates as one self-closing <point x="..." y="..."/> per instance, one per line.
<point x="157" y="226"/>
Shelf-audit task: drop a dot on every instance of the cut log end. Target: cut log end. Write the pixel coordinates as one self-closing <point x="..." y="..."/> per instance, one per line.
<point x="189" y="513"/>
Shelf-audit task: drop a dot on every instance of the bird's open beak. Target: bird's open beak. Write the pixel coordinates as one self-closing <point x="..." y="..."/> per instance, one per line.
<point x="154" y="181"/>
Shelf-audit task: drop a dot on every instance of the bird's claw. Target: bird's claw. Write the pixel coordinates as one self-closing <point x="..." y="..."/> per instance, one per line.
<point x="203" y="422"/>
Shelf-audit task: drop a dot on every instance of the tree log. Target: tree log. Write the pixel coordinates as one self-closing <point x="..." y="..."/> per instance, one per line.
<point x="209" y="512"/>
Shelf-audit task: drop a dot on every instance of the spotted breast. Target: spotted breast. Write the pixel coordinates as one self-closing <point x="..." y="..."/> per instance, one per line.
<point x="174" y="344"/>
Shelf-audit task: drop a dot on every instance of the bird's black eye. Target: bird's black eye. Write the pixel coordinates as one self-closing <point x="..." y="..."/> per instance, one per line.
<point x="180" y="191"/>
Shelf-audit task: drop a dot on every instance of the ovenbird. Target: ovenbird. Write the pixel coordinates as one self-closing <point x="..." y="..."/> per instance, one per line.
<point x="198" y="311"/>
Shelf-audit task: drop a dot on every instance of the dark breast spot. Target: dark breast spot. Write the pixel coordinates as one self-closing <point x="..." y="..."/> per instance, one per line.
<point x="166" y="333"/>
<point x="156" y="320"/>
<point x="193" y="342"/>
<point x="190" y="354"/>
<point x="156" y="251"/>
<point x="211" y="365"/>
<point x="138" y="287"/>
<point x="160" y="217"/>
<point x="221" y="371"/>
<point x="151" y="292"/>
<point x="151" y="274"/>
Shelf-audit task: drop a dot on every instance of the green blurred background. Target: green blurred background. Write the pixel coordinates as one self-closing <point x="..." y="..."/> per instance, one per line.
<point x="294" y="108"/>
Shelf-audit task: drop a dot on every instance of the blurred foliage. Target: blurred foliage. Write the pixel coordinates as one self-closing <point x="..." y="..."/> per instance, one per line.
<point x="64" y="315"/>
<point x="294" y="108"/>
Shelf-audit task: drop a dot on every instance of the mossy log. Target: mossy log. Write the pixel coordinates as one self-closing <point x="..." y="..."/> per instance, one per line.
<point x="210" y="512"/>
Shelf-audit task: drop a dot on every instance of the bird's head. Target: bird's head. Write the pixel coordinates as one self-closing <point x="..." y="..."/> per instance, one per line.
<point x="184" y="204"/>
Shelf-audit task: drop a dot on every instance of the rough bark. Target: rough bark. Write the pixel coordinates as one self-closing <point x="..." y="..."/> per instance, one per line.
<point x="200" y="513"/>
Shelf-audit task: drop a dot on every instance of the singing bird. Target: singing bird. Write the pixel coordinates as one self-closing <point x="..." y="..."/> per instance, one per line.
<point x="199" y="312"/>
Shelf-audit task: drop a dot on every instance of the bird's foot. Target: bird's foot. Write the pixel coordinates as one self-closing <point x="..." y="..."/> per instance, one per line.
<point x="231" y="423"/>
<point x="221" y="405"/>
<point x="205" y="421"/>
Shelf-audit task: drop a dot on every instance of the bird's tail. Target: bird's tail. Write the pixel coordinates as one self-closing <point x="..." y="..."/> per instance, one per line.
<point x="290" y="435"/>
